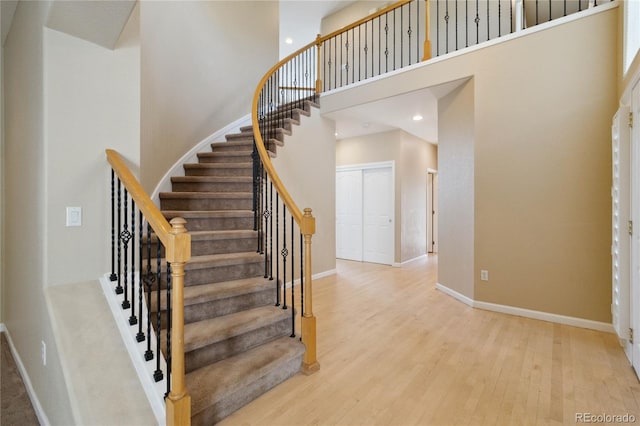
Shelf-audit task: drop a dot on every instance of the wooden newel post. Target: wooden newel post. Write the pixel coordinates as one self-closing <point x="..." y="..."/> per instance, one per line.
<point x="178" y="401"/>
<point x="309" y="363"/>
<point x="318" y="79"/>
<point x="427" y="37"/>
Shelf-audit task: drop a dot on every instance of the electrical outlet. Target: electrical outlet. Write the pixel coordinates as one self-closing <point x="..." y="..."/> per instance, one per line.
<point x="43" y="352"/>
<point x="484" y="275"/>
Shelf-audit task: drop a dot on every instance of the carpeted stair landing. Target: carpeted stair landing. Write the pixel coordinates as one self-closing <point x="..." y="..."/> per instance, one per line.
<point x="237" y="343"/>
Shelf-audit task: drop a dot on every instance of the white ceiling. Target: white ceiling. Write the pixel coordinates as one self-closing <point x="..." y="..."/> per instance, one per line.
<point x="395" y="112"/>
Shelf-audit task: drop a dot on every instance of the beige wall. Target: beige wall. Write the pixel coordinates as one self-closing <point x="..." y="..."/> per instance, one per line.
<point x="542" y="172"/>
<point x="92" y="103"/>
<point x="350" y="14"/>
<point x="456" y="194"/>
<point x="25" y="217"/>
<point x="201" y="63"/>
<point x="412" y="157"/>
<point x="306" y="164"/>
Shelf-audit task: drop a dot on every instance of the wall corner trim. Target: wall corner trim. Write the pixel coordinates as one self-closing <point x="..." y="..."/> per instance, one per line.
<point x="528" y="313"/>
<point x="42" y="417"/>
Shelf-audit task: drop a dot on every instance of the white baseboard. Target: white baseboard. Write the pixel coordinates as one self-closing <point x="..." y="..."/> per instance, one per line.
<point x="461" y="297"/>
<point x="37" y="407"/>
<point x="398" y="265"/>
<point x="314" y="277"/>
<point x="528" y="313"/>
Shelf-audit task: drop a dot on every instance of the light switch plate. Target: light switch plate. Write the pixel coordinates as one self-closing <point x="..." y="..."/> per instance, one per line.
<point x="74" y="216"/>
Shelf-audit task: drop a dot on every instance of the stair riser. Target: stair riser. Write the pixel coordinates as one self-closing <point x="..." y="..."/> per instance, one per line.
<point x="220" y="223"/>
<point x="216" y="274"/>
<point x="232" y="402"/>
<point x="221" y="246"/>
<point x="211" y="159"/>
<point x="212" y="187"/>
<point x="235" y="345"/>
<point x="207" y="204"/>
<point x="225" y="146"/>
<point x="217" y="308"/>
<point x="221" y="172"/>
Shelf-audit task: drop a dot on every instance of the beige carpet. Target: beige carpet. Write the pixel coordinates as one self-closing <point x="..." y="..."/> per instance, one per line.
<point x="15" y="406"/>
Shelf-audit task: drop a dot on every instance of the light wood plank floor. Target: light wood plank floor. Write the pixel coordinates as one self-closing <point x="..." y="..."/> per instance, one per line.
<point x="394" y="350"/>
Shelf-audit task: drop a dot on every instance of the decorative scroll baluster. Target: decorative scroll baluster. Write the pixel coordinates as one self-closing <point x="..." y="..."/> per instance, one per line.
<point x="446" y="21"/>
<point x="284" y="253"/>
<point x="278" y="283"/>
<point x="271" y="232"/>
<point x="125" y="236"/>
<point x="477" y="21"/>
<point x="158" y="375"/>
<point x="149" y="280"/>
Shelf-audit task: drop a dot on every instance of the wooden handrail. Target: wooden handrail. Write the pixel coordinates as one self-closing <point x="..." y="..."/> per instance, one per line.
<point x="177" y="243"/>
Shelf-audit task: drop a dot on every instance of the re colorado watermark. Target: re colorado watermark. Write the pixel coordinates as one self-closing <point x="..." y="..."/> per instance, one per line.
<point x="605" y="418"/>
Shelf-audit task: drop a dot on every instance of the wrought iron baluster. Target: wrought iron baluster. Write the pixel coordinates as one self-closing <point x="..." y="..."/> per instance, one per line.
<point x="284" y="253"/>
<point x="477" y="21"/>
<point x="488" y="22"/>
<point x="394" y="39"/>
<point x="119" y="288"/>
<point x="168" y="329"/>
<point x="456" y="25"/>
<point x="149" y="280"/>
<point x="267" y="214"/>
<point x="386" y="42"/>
<point x="537" y="21"/>
<point x="158" y="375"/>
<point x="277" y="216"/>
<point x="293" y="265"/>
<point x="499" y="18"/>
<point x="550" y="17"/>
<point x="133" y="320"/>
<point x="437" y="27"/>
<point x="271" y="232"/>
<point x="113" y="275"/>
<point x="446" y="22"/>
<point x="125" y="236"/>
<point x="466" y="23"/>
<point x="140" y="335"/>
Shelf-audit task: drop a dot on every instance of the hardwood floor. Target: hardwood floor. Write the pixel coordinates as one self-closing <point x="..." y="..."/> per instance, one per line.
<point x="393" y="350"/>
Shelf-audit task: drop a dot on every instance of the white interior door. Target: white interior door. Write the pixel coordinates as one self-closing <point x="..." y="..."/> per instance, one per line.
<point x="620" y="238"/>
<point x="349" y="214"/>
<point x="378" y="208"/>
<point x="635" y="217"/>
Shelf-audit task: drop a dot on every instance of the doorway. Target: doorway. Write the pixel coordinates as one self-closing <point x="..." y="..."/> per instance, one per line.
<point x="365" y="206"/>
<point x="432" y="211"/>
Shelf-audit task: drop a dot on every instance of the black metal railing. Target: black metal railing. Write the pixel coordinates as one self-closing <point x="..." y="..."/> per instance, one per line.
<point x="140" y="285"/>
<point x="149" y="255"/>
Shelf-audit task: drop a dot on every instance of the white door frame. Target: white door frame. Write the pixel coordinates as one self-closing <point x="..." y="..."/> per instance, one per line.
<point x="380" y="165"/>
<point x="432" y="212"/>
<point x="635" y="218"/>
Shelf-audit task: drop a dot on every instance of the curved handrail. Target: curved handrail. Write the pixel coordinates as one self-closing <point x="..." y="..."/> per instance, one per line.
<point x="259" y="141"/>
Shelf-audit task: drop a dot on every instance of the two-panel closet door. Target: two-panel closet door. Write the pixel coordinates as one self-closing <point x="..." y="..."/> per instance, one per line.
<point x="364" y="214"/>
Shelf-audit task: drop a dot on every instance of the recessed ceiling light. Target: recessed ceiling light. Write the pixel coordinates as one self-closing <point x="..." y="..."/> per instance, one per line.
<point x="288" y="40"/>
<point x="417" y="117"/>
<point x="335" y="134"/>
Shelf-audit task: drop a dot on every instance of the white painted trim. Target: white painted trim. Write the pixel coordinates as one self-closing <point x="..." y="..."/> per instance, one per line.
<point x="401" y="264"/>
<point x="525" y="32"/>
<point x="192" y="155"/>
<point x="545" y="316"/>
<point x="37" y="407"/>
<point x="3" y="328"/>
<point x="432" y="171"/>
<point x="153" y="390"/>
<point x="365" y="166"/>
<point x="314" y="277"/>
<point x="528" y="313"/>
<point x="459" y="296"/>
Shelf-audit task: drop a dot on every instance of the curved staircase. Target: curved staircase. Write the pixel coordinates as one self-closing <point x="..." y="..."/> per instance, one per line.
<point x="237" y="341"/>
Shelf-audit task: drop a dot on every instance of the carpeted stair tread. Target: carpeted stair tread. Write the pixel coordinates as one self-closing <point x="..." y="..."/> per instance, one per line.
<point x="191" y="214"/>
<point x="224" y="290"/>
<point x="248" y="142"/>
<point x="217" y="385"/>
<point x="225" y="259"/>
<point x="203" y="333"/>
<point x="201" y="195"/>
<point x="216" y="179"/>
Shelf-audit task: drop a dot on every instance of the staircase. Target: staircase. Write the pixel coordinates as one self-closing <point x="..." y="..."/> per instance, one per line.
<point x="237" y="342"/>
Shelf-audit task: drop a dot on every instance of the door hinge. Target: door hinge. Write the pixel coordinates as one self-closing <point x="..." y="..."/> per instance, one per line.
<point x="631" y="119"/>
<point x="630" y="227"/>
<point x="630" y="335"/>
